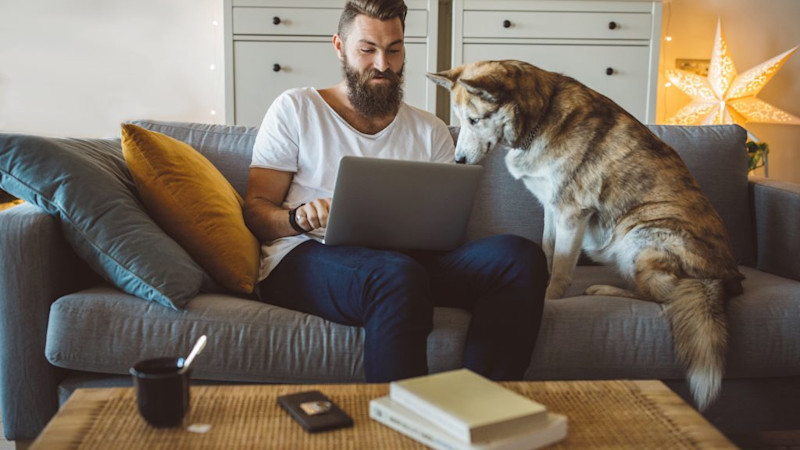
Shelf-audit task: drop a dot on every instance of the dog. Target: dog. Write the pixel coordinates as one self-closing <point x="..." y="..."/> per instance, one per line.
<point x="611" y="188"/>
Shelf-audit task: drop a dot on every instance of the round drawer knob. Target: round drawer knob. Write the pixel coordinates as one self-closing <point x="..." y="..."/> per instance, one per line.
<point x="276" y="20"/>
<point x="506" y="24"/>
<point x="612" y="25"/>
<point x="276" y="67"/>
<point x="609" y="71"/>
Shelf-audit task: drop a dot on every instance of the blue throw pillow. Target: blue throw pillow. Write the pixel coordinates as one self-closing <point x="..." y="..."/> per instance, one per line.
<point x="86" y="184"/>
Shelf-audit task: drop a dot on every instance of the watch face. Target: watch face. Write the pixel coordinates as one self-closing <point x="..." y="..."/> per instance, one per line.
<point x="293" y="220"/>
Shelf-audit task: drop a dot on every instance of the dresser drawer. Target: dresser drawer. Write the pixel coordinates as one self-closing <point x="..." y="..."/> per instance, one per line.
<point x="307" y="22"/>
<point x="556" y="25"/>
<point x="627" y="84"/>
<point x="285" y="21"/>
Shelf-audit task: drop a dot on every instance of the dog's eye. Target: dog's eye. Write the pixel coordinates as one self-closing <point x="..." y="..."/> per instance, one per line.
<point x="473" y="121"/>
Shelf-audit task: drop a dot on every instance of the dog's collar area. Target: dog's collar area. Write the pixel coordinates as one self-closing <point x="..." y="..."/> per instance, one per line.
<point x="526" y="144"/>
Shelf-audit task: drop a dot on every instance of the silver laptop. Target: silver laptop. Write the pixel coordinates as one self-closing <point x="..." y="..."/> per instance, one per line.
<point x="395" y="204"/>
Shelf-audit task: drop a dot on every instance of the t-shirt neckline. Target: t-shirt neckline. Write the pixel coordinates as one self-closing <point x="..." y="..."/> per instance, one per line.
<point x="346" y="123"/>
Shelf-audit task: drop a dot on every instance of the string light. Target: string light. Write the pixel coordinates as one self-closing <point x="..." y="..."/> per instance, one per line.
<point x="663" y="56"/>
<point x="213" y="67"/>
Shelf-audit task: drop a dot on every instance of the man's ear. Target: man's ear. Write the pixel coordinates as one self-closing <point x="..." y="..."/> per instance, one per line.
<point x="338" y="45"/>
<point x="482" y="87"/>
<point x="447" y="78"/>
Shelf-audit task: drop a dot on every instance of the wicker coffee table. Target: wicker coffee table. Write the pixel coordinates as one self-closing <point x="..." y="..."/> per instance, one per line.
<point x="602" y="414"/>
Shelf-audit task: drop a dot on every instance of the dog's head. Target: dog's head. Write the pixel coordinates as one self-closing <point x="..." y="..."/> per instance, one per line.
<point x="485" y="98"/>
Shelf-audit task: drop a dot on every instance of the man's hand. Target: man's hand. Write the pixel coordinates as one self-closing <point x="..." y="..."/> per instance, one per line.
<point x="314" y="214"/>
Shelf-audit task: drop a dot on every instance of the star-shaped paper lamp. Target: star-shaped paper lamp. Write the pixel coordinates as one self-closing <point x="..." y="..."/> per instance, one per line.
<point x="725" y="97"/>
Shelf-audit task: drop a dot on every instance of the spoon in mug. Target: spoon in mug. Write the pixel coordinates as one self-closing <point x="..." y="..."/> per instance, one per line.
<point x="198" y="347"/>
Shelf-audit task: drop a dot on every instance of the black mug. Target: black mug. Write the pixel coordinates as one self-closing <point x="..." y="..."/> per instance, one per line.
<point x="162" y="390"/>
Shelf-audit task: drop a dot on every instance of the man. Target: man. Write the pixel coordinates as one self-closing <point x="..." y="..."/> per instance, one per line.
<point x="500" y="280"/>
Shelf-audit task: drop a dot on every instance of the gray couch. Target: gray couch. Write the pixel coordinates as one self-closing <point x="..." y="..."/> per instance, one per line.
<point x="63" y="327"/>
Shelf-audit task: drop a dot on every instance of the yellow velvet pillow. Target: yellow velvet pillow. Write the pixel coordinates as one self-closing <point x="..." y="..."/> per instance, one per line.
<point x="194" y="203"/>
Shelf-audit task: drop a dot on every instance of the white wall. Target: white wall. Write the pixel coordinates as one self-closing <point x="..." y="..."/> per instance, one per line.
<point x="80" y="67"/>
<point x="756" y="31"/>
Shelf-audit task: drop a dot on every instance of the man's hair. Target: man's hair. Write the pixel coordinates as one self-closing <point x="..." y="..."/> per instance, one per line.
<point x="376" y="9"/>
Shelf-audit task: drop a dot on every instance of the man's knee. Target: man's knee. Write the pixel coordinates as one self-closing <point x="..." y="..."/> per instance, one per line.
<point x="518" y="256"/>
<point x="398" y="283"/>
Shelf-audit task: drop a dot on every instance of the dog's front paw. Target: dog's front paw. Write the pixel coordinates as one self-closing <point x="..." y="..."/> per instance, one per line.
<point x="609" y="291"/>
<point x="597" y="289"/>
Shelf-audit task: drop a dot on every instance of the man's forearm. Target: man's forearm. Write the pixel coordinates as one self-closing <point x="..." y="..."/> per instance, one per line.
<point x="267" y="220"/>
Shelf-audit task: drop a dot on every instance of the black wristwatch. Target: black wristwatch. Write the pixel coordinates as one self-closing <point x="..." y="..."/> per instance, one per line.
<point x="293" y="219"/>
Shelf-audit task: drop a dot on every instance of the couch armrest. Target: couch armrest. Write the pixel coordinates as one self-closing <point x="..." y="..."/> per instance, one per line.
<point x="776" y="207"/>
<point x="37" y="266"/>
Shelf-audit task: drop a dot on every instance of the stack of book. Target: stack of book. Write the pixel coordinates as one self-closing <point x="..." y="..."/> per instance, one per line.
<point x="460" y="409"/>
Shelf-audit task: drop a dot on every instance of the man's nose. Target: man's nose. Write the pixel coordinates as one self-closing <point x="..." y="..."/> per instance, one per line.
<point x="381" y="62"/>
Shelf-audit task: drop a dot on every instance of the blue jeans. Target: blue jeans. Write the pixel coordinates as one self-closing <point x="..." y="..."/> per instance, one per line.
<point x="500" y="280"/>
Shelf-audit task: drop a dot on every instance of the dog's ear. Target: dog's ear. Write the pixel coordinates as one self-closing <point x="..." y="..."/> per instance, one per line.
<point x="483" y="87"/>
<point x="446" y="79"/>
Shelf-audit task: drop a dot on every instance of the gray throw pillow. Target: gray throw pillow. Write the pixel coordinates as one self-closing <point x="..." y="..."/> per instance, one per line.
<point x="86" y="184"/>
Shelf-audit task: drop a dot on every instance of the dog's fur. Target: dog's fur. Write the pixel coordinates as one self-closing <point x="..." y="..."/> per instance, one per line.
<point x="612" y="188"/>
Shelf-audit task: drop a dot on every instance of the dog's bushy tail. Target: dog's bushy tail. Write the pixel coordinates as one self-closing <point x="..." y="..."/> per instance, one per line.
<point x="699" y="331"/>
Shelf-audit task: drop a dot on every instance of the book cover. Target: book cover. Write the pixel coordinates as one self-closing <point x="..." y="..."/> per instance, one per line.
<point x="469" y="406"/>
<point x="405" y="421"/>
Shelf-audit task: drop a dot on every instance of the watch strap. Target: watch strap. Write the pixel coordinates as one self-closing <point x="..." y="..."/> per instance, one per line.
<point x="293" y="219"/>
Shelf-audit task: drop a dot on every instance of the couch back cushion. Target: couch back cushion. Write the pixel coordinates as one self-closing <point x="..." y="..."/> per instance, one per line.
<point x="715" y="155"/>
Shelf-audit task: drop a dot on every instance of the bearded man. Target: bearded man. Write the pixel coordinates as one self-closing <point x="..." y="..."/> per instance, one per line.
<point x="500" y="279"/>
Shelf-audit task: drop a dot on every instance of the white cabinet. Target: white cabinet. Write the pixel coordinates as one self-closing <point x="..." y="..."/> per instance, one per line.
<point x="611" y="46"/>
<point x="274" y="45"/>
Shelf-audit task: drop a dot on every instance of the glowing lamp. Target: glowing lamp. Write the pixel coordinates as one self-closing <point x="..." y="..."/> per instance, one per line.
<point x="725" y="96"/>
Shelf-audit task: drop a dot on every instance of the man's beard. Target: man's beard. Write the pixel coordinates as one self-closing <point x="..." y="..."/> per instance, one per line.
<point x="379" y="100"/>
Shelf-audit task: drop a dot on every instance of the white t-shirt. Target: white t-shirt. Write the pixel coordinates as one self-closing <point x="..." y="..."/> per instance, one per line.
<point x="302" y="134"/>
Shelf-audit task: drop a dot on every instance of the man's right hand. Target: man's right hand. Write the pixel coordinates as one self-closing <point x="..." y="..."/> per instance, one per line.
<point x="313" y="214"/>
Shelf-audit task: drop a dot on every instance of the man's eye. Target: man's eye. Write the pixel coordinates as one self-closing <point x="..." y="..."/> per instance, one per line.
<point x="473" y="121"/>
<point x="367" y="50"/>
<point x="394" y="51"/>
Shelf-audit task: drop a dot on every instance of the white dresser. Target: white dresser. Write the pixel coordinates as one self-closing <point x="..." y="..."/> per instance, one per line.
<point x="274" y="45"/>
<point x="611" y="46"/>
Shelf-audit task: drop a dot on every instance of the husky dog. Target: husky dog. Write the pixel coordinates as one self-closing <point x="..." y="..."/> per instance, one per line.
<point x="612" y="188"/>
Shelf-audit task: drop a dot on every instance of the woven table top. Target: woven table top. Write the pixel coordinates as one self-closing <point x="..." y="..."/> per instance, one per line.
<point x="601" y="414"/>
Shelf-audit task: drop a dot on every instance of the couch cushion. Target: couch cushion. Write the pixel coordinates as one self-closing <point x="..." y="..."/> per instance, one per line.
<point x="194" y="203"/>
<point x="104" y="330"/>
<point x="586" y="337"/>
<point x="228" y="147"/>
<point x="715" y="155"/>
<point x="86" y="184"/>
